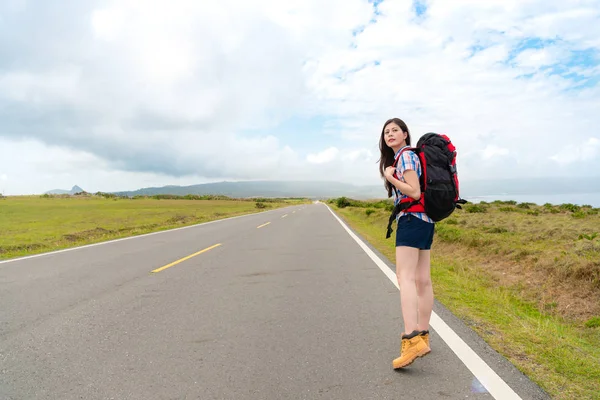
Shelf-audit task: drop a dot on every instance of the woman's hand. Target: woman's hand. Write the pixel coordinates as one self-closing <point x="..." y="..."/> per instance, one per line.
<point x="389" y="173"/>
<point x="408" y="185"/>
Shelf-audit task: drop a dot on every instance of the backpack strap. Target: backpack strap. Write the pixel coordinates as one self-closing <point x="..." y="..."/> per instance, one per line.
<point x="402" y="204"/>
<point x="393" y="216"/>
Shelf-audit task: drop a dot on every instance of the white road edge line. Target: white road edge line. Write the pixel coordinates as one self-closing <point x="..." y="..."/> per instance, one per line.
<point x="486" y="376"/>
<point x="132" y="237"/>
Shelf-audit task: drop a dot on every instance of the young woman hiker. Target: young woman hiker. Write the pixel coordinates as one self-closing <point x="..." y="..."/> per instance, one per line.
<point x="414" y="235"/>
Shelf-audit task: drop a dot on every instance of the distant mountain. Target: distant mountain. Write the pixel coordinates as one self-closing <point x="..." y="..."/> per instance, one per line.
<point x="308" y="189"/>
<point x="324" y="190"/>
<point x="75" y="189"/>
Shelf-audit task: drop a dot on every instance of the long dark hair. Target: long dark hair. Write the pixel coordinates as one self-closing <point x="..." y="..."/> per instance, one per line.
<point x="387" y="154"/>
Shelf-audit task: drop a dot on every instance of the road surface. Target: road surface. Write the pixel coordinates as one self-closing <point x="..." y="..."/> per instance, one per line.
<point x="285" y="304"/>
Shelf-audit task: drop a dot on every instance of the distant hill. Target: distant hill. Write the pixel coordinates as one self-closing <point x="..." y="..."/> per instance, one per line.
<point x="324" y="190"/>
<point x="75" y="189"/>
<point x="308" y="189"/>
<point x="316" y="189"/>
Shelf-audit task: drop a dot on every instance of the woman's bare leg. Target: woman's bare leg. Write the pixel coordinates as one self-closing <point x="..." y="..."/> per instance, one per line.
<point x="406" y="266"/>
<point x="424" y="290"/>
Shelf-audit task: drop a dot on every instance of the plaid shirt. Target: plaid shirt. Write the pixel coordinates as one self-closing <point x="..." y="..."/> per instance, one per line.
<point x="408" y="161"/>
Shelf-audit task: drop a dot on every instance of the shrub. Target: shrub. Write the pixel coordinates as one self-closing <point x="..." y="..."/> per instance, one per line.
<point x="260" y="205"/>
<point x="264" y="200"/>
<point x="593" y="322"/>
<point x="106" y="195"/>
<point x="474" y="208"/>
<point x="342" y="202"/>
<point x="524" y="205"/>
<point x="382" y="204"/>
<point x="507" y="209"/>
<point x="578" y="214"/>
<point x="569" y="207"/>
<point x="448" y="233"/>
<point x="369" y="211"/>
<point x="505" y="202"/>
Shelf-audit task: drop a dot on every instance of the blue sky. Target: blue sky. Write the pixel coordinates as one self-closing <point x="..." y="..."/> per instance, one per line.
<point x="115" y="96"/>
<point x="420" y="8"/>
<point x="576" y="66"/>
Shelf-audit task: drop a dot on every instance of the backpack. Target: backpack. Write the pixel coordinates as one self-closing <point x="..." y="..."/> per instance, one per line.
<point x="438" y="181"/>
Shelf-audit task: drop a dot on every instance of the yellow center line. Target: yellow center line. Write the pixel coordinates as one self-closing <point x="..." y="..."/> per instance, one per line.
<point x="186" y="258"/>
<point x="263" y="225"/>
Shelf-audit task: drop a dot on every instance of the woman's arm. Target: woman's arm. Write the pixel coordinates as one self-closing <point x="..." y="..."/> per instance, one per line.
<point x="410" y="187"/>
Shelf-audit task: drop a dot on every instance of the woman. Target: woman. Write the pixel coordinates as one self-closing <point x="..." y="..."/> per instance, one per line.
<point x="414" y="235"/>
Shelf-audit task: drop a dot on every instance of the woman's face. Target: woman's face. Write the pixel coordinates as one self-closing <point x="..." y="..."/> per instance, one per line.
<point x="393" y="135"/>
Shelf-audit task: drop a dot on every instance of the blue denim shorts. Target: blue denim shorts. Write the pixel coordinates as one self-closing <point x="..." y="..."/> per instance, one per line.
<point x="412" y="231"/>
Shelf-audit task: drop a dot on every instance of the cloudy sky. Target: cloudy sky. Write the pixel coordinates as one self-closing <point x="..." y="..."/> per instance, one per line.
<point x="118" y="95"/>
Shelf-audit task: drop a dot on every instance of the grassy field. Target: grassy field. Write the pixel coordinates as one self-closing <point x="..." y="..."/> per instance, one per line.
<point x="36" y="224"/>
<point x="525" y="277"/>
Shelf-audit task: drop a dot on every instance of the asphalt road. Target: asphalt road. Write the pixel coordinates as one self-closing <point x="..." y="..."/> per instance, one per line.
<point x="294" y="309"/>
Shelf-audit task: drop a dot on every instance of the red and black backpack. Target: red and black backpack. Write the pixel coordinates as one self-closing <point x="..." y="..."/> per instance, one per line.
<point x="438" y="181"/>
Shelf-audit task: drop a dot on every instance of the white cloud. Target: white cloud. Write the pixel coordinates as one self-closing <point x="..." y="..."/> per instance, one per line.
<point x="493" y="151"/>
<point x="333" y="154"/>
<point x="34" y="168"/>
<point x="578" y="153"/>
<point x="323" y="157"/>
<point x="108" y="23"/>
<point x="355" y="155"/>
<point x="166" y="92"/>
<point x="537" y="58"/>
<point x="46" y="88"/>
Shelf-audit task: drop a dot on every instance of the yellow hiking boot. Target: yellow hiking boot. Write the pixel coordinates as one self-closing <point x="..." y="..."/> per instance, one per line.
<point x="413" y="347"/>
<point x="425" y="337"/>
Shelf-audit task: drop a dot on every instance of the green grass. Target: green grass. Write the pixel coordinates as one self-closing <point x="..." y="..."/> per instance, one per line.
<point x="35" y="224"/>
<point x="557" y="350"/>
<point x="561" y="357"/>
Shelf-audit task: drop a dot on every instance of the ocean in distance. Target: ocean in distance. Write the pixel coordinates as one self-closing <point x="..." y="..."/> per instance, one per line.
<point x="580" y="190"/>
<point x="592" y="199"/>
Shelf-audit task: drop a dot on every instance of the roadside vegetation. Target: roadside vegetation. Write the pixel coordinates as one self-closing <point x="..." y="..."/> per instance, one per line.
<point x="526" y="277"/>
<point x="37" y="224"/>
